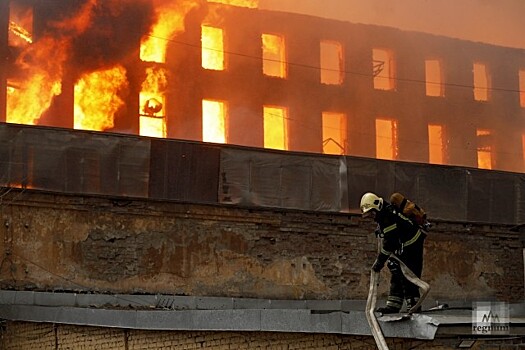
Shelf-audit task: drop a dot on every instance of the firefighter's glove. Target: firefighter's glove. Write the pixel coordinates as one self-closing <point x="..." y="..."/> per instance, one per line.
<point x="377" y="266"/>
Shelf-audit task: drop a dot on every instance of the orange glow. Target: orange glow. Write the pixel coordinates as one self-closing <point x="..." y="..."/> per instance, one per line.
<point x="331" y="63"/>
<point x="386" y="139"/>
<point x="31" y="95"/>
<point x="522" y="87"/>
<point x="20" y="25"/>
<point x="213" y="121"/>
<point x="170" y="20"/>
<point x="19" y="32"/>
<point x="433" y="77"/>
<point x="212" y="48"/>
<point x="241" y="3"/>
<point x="481" y="82"/>
<point x="275" y="127"/>
<point x="334" y="133"/>
<point x="274" y="56"/>
<point x="523" y="150"/>
<point x="435" y="144"/>
<point x="97" y="100"/>
<point x="383" y="69"/>
<point x="484" y="149"/>
<point x="152" y="101"/>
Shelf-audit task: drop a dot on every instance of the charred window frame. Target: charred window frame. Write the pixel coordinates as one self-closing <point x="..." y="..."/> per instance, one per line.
<point x="335" y="131"/>
<point x="331" y="62"/>
<point x="384" y="69"/>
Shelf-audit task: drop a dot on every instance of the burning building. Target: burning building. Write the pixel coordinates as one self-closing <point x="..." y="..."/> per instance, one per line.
<point x="208" y="195"/>
<point x="212" y="72"/>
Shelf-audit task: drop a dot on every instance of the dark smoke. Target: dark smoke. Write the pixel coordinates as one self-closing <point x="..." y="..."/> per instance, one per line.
<point x="112" y="34"/>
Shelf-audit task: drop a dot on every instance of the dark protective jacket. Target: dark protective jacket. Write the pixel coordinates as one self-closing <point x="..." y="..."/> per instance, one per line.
<point x="397" y="231"/>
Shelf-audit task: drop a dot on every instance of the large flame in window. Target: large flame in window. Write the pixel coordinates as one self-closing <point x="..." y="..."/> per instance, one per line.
<point x="212" y="48"/>
<point x="170" y="20"/>
<point x="41" y="80"/>
<point x="153" y="102"/>
<point x="97" y="99"/>
<point x="213" y="121"/>
<point x="274" y="55"/>
<point x="275" y="127"/>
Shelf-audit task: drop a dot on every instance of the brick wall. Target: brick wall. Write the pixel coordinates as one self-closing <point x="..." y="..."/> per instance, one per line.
<point x="52" y="242"/>
<point x="21" y="336"/>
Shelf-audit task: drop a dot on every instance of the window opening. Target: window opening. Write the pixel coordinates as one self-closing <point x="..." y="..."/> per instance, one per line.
<point x="20" y="24"/>
<point x="97" y="100"/>
<point x="274" y="55"/>
<point x="213" y="121"/>
<point x="434" y="78"/>
<point x="383" y="69"/>
<point x="152" y="101"/>
<point x="522" y="87"/>
<point x="334" y="133"/>
<point x="485" y="160"/>
<point x="275" y="127"/>
<point x="523" y="150"/>
<point x="331" y="63"/>
<point x="481" y="82"/>
<point x="212" y="48"/>
<point x="386" y="139"/>
<point x="436" y="144"/>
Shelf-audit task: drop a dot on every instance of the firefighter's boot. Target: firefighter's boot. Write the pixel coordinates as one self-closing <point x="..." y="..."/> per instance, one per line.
<point x="411" y="302"/>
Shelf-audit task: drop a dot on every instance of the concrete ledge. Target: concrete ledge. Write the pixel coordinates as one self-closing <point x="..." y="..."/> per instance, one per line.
<point x="165" y="312"/>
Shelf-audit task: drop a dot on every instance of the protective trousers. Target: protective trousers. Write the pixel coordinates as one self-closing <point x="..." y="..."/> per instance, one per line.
<point x="400" y="288"/>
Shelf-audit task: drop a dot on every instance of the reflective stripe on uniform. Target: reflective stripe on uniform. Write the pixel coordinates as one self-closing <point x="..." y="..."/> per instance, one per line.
<point x="413" y="239"/>
<point x="394" y="301"/>
<point x="389" y="228"/>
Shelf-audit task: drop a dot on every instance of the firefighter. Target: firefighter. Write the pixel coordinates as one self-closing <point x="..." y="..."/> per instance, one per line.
<point x="400" y="237"/>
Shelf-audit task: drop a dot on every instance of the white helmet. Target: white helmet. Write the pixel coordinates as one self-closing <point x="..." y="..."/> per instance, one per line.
<point x="370" y="201"/>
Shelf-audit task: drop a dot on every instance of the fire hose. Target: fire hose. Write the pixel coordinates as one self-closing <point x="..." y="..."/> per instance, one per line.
<point x="372" y="298"/>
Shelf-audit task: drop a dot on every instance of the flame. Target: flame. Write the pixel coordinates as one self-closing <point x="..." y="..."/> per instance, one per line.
<point x="152" y="101"/>
<point x="275" y="128"/>
<point x="273" y="55"/>
<point x="41" y="64"/>
<point x="97" y="100"/>
<point x="213" y="121"/>
<point x="240" y="3"/>
<point x="20" y="24"/>
<point x="170" y="20"/>
<point x="212" y="48"/>
<point x="20" y="32"/>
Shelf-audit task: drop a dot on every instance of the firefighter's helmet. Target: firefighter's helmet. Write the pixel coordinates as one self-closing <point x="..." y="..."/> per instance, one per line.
<point x="371" y="201"/>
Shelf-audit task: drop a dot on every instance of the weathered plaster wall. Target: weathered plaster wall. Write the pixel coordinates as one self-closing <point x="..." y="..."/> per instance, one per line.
<point x="54" y="242"/>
